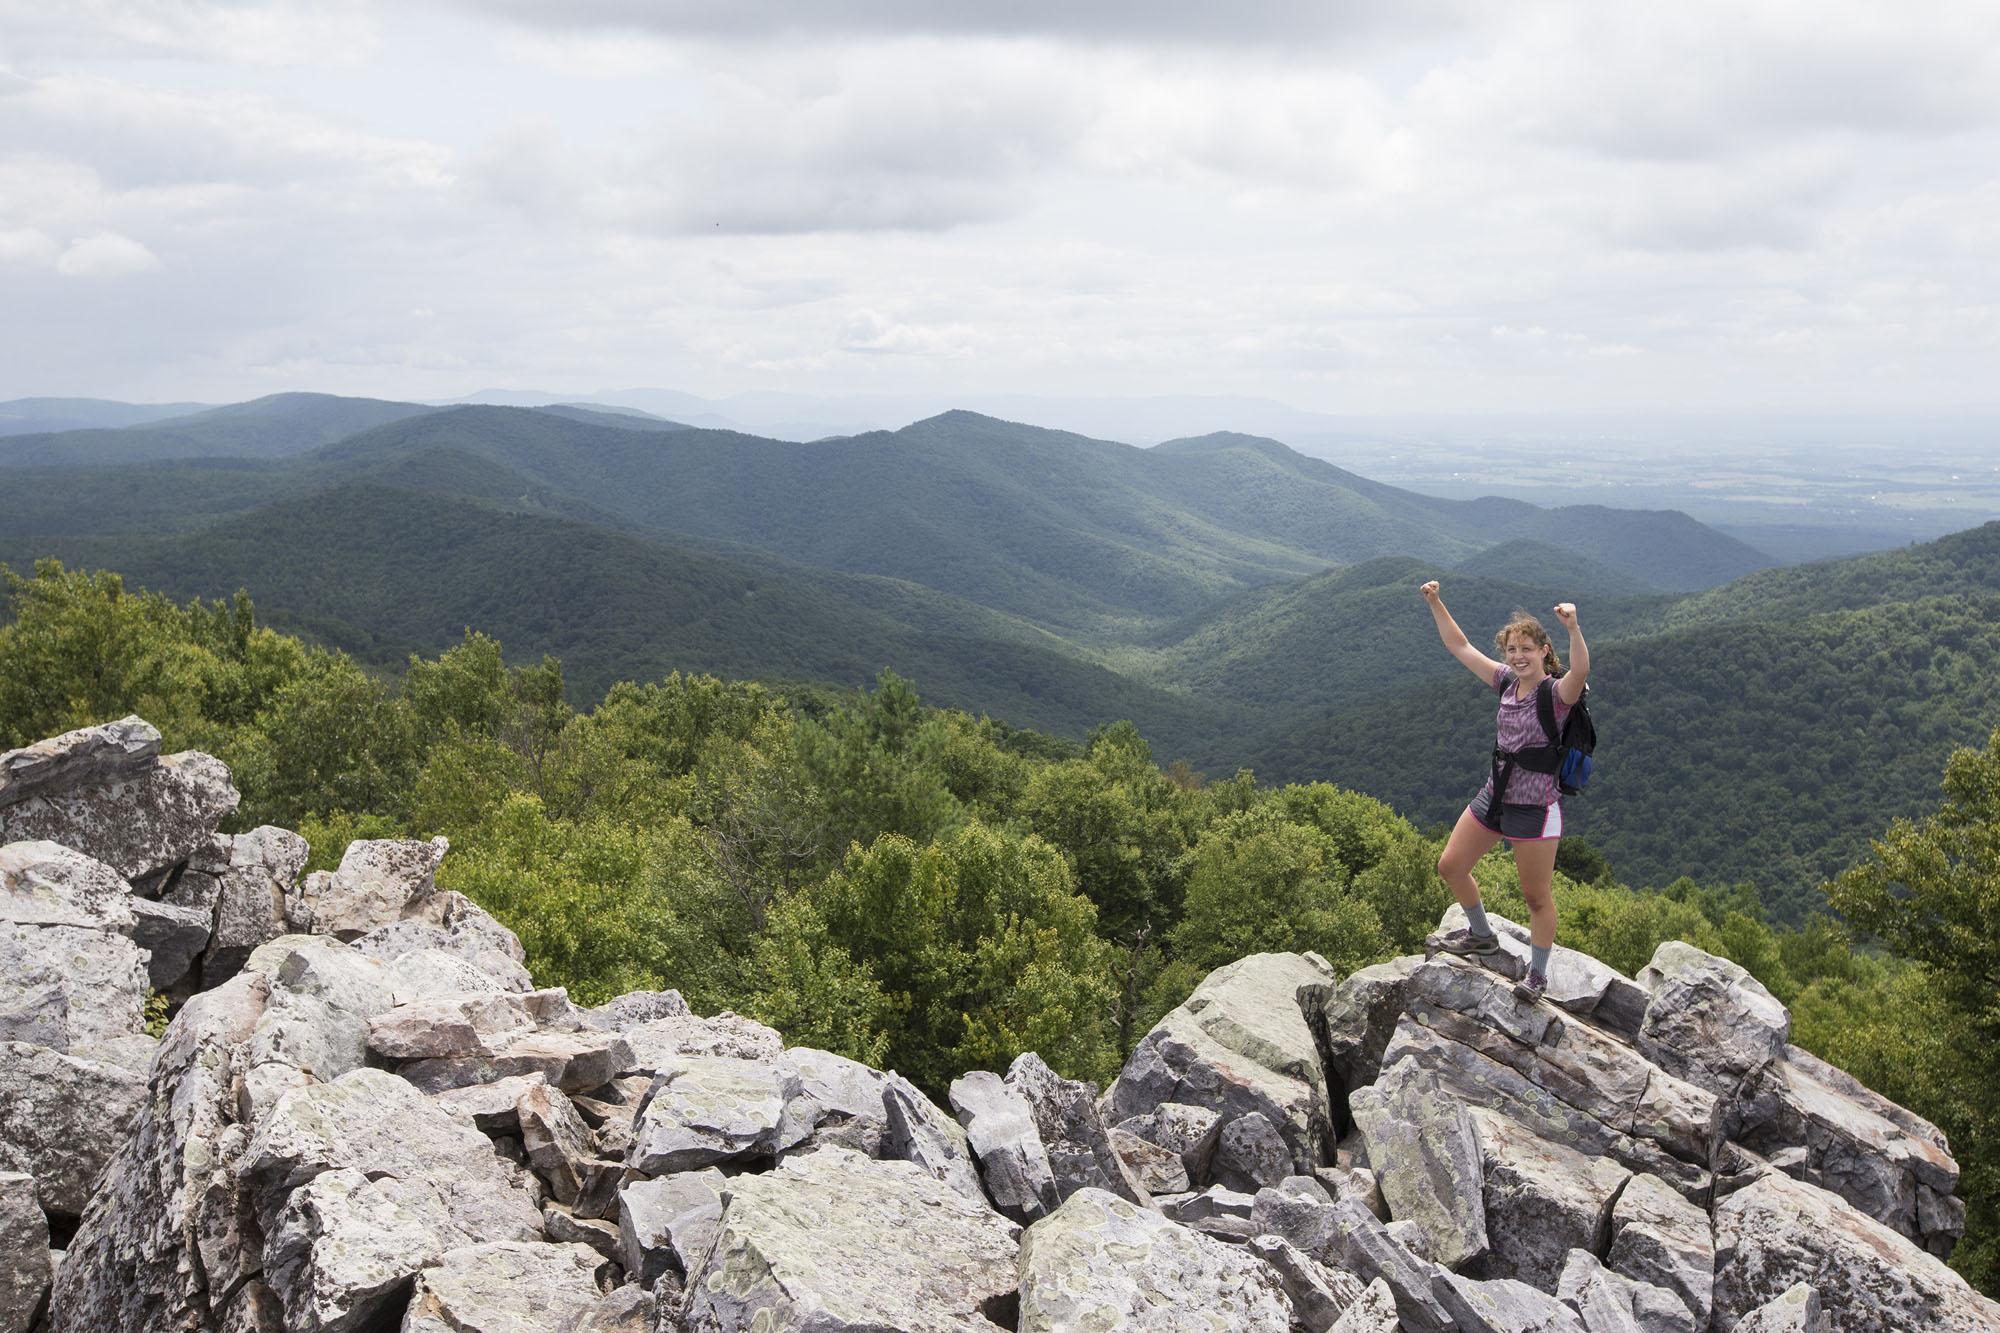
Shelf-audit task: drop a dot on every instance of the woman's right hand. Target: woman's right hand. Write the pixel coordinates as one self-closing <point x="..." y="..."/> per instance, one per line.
<point x="1430" y="591"/>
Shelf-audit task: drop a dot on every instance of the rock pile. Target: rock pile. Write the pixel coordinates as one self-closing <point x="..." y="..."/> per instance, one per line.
<point x="364" y="1116"/>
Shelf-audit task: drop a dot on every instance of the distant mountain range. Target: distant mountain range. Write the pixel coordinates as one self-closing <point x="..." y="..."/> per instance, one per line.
<point x="1245" y="604"/>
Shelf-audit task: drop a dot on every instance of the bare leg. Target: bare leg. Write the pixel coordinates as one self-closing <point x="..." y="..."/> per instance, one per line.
<point x="1469" y="841"/>
<point x="1536" y="864"/>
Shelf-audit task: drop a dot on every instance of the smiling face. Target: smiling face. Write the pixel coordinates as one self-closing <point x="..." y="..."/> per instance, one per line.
<point x="1525" y="655"/>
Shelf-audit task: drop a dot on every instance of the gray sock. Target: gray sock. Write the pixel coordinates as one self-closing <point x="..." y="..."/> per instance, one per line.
<point x="1538" y="959"/>
<point x="1475" y="917"/>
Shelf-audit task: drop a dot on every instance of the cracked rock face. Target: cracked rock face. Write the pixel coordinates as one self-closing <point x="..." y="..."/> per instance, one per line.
<point x="1100" y="1261"/>
<point x="142" y="821"/>
<point x="832" y="1240"/>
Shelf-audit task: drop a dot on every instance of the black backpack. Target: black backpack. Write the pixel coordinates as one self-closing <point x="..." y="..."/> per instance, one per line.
<point x="1576" y="741"/>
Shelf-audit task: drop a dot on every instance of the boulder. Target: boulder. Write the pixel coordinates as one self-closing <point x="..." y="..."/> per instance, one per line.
<point x="626" y="1309"/>
<point x="173" y="937"/>
<point x="1319" y="1295"/>
<point x="164" y="1224"/>
<point x="635" y="1007"/>
<point x="1503" y="1306"/>
<point x="323" y="996"/>
<point x="341" y="1248"/>
<point x="565" y="1228"/>
<point x="1157" y="1170"/>
<point x="1072" y="1131"/>
<point x="1660" y="1238"/>
<point x="666" y="1225"/>
<point x="1373" y="1312"/>
<point x="1190" y="1132"/>
<point x="1250" y="1153"/>
<point x="505" y="1287"/>
<point x="1578" y="983"/>
<point x="142" y="822"/>
<point x="1353" y="1018"/>
<point x="1102" y="1261"/>
<point x="710" y="1110"/>
<point x="491" y="1108"/>
<point x="1777" y="1232"/>
<point x="847" y="1097"/>
<point x="1000" y="1128"/>
<point x="257" y="875"/>
<point x="833" y="1240"/>
<point x="573" y="1061"/>
<point x="922" y="1134"/>
<point x="1542" y="1201"/>
<point x="86" y="757"/>
<point x="478" y="946"/>
<point x="1797" y="1311"/>
<point x="480" y="1023"/>
<point x="70" y="972"/>
<point x="559" y="1146"/>
<point x="1708" y="1021"/>
<point x="1239" y="1044"/>
<point x="1608" y="1303"/>
<point x="1354" y="1240"/>
<point x="659" y="1043"/>
<point x="378" y="882"/>
<point x="1425" y="1139"/>
<point x="24" y="1253"/>
<point x="61" y="1119"/>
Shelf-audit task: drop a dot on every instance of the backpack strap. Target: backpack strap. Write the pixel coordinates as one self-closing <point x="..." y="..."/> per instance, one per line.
<point x="1545" y="704"/>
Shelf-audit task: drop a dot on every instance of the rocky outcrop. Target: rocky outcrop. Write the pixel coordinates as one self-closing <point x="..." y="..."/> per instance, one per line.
<point x="365" y="1116"/>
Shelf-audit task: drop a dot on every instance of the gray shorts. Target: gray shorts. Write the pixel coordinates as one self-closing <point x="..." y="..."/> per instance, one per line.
<point x="1520" y="823"/>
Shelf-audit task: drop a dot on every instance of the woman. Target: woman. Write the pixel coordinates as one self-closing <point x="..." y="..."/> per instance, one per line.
<point x="1518" y="803"/>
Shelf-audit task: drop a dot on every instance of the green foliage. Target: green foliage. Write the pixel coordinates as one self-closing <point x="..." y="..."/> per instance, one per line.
<point x="328" y="834"/>
<point x="1260" y="884"/>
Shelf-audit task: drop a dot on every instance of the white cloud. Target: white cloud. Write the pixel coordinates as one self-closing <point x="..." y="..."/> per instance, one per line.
<point x="27" y="245"/>
<point x="105" y="255"/>
<point x="868" y="331"/>
<point x="259" y="32"/>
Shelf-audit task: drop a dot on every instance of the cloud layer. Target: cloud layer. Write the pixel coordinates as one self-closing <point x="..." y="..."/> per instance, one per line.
<point x="1358" y="208"/>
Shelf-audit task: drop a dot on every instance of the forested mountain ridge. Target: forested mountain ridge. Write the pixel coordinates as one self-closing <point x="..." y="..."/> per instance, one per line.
<point x="282" y="425"/>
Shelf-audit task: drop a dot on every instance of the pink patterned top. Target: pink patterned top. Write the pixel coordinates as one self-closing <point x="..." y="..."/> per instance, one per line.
<point x="1520" y="728"/>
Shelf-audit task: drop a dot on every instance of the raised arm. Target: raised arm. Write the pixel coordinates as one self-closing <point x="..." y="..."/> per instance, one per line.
<point x="1455" y="642"/>
<point x="1573" y="680"/>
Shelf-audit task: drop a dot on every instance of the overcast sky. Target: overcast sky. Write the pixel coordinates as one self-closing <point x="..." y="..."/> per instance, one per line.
<point x="1351" y="207"/>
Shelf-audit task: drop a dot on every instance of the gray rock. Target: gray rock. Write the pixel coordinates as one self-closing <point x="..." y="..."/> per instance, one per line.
<point x="847" y="1096"/>
<point x="709" y="1110"/>
<point x="1851" y="1148"/>
<point x="666" y="1225"/>
<point x="1157" y="1170"/>
<point x="1191" y="1132"/>
<point x="566" y="1228"/>
<point x="61" y="1119"/>
<point x="505" y="1287"/>
<point x="1430" y="1175"/>
<point x="24" y="1253"/>
<point x="1503" y="1306"/>
<point x="573" y="1061"/>
<point x="173" y="937"/>
<point x="1776" y="1233"/>
<point x="1239" y="1044"/>
<point x="1318" y="1294"/>
<point x="1250" y="1154"/>
<point x="1374" y="1312"/>
<point x="1482" y="1081"/>
<point x="832" y="1240"/>
<point x="1354" y="1240"/>
<point x="1608" y="1303"/>
<point x="661" y="1043"/>
<point x="560" y="1147"/>
<point x="431" y="1165"/>
<point x="475" y="945"/>
<point x="1460" y="986"/>
<point x="378" y="882"/>
<point x="1000" y="1128"/>
<point x="1353" y="1018"/>
<point x="163" y="1223"/>
<point x="1542" y="1201"/>
<point x="491" y="1108"/>
<point x="86" y="757"/>
<point x="1578" y="983"/>
<point x="1660" y="1238"/>
<point x="1101" y="1261"/>
<point x="479" y="936"/>
<point x="1215" y="1201"/>
<point x="323" y="997"/>
<point x="142" y="822"/>
<point x="48" y="884"/>
<point x="427" y="973"/>
<point x="922" y="1134"/>
<point x="1797" y="1311"/>
<point x="1072" y="1131"/>
<point x="1709" y="1021"/>
<point x="259" y="874"/>
<point x="64" y="986"/>
<point x="623" y="1310"/>
<point x="1357" y="1183"/>
<point x="438" y="1026"/>
<point x="1411" y="1237"/>
<point x="635" y="1007"/>
<point x="341" y="1248"/>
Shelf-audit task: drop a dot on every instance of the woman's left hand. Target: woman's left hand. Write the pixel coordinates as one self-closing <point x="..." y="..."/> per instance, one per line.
<point x="1566" y="612"/>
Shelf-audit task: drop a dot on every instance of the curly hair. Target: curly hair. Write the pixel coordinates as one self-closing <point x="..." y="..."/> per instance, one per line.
<point x="1523" y="623"/>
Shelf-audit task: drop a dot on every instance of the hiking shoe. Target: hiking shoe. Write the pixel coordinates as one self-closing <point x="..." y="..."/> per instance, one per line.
<point x="1464" y="943"/>
<point x="1531" y="987"/>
